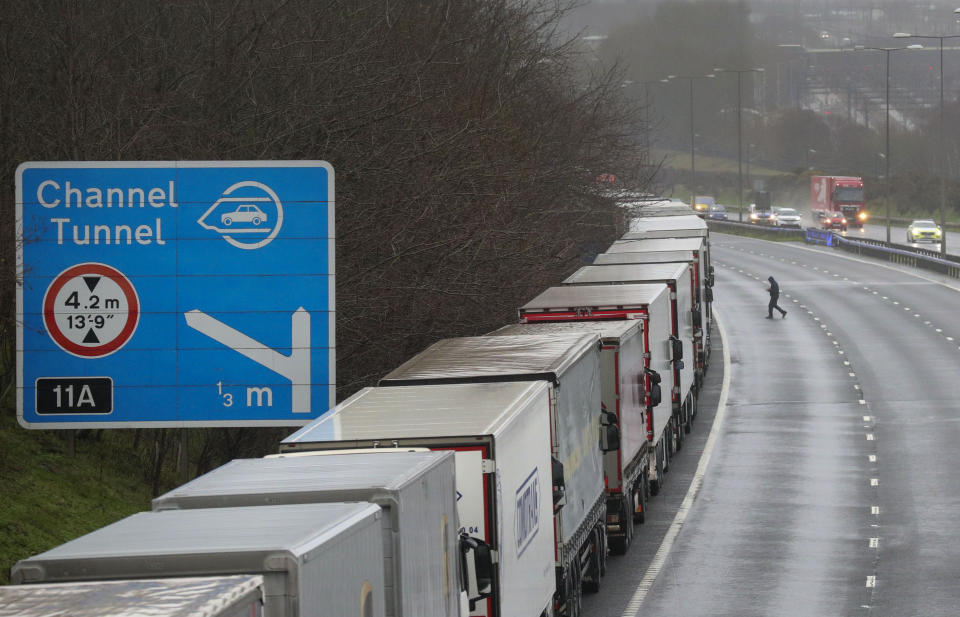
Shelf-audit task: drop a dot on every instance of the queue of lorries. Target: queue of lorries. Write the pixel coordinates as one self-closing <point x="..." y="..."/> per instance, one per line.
<point x="487" y="475"/>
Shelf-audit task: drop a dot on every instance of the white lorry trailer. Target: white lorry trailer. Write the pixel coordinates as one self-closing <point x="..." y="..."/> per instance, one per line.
<point x="216" y="596"/>
<point x="416" y="490"/>
<point x="699" y="248"/>
<point x="677" y="226"/>
<point x="315" y="559"/>
<point x="701" y="317"/>
<point x="571" y="364"/>
<point x="648" y="302"/>
<point x="679" y="280"/>
<point x="621" y="377"/>
<point x="500" y="433"/>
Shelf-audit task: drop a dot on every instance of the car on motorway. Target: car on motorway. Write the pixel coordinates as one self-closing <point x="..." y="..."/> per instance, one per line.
<point x="786" y="217"/>
<point x="716" y="212"/>
<point x="702" y="203"/>
<point x="247" y="213"/>
<point x="833" y="220"/>
<point x="923" y="229"/>
<point x="761" y="216"/>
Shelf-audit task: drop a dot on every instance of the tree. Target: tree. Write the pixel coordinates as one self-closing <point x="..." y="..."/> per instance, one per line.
<point x="465" y="136"/>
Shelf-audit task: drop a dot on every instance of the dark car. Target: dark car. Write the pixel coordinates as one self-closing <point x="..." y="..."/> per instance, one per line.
<point x="716" y="212"/>
<point x="834" y="220"/>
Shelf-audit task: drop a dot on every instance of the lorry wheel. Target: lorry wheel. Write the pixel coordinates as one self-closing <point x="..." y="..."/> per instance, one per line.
<point x="620" y="544"/>
<point x="572" y="603"/>
<point x="667" y="450"/>
<point x="591" y="584"/>
<point x="677" y="425"/>
<point x="641" y="499"/>
<point x="602" y="536"/>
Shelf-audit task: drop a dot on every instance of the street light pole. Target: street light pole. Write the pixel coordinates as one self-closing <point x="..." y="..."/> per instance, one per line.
<point x="943" y="164"/>
<point x="886" y="156"/>
<point x="693" y="167"/>
<point x="739" y="73"/>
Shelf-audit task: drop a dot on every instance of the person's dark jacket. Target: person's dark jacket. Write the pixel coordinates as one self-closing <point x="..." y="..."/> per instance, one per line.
<point x="774" y="289"/>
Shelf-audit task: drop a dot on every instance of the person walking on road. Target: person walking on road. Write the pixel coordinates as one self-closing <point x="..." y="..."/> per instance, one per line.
<point x="774" y="290"/>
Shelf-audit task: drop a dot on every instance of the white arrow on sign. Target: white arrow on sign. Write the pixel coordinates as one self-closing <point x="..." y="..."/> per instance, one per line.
<point x="295" y="367"/>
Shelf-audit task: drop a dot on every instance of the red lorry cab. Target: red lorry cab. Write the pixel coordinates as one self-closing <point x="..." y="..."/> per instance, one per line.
<point x="843" y="194"/>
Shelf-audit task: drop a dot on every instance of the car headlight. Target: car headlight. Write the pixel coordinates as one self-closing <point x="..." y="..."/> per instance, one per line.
<point x="862" y="216"/>
<point x="753" y="216"/>
<point x="844" y="221"/>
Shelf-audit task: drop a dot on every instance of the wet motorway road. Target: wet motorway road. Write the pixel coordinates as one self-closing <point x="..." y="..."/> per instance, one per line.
<point x="831" y="489"/>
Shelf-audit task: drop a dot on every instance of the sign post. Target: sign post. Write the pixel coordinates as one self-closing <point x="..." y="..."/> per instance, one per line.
<point x="175" y="294"/>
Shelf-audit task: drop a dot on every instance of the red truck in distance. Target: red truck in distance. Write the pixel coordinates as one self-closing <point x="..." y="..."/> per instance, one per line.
<point x="843" y="194"/>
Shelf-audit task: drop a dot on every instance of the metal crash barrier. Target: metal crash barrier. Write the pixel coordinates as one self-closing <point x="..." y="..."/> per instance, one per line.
<point x="878" y="249"/>
<point x="903" y="255"/>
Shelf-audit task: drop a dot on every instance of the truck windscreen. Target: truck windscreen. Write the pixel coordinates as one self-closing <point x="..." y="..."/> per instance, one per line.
<point x="849" y="193"/>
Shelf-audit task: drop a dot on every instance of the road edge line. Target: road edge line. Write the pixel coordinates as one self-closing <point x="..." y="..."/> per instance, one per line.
<point x="643" y="588"/>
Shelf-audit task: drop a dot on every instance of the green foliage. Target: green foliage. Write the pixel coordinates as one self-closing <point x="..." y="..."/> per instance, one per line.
<point x="51" y="497"/>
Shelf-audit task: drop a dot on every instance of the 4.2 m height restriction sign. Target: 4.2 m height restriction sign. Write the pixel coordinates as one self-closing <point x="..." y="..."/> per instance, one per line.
<point x="91" y="310"/>
<point x="175" y="293"/>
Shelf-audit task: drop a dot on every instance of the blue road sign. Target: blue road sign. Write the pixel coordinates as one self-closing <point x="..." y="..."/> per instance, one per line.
<point x="175" y="293"/>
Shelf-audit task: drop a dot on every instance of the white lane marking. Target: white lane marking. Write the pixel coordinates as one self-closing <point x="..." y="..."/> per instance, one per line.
<point x="949" y="338"/>
<point x="871" y="581"/>
<point x="874" y="542"/>
<point x="875" y="263"/>
<point x="840" y="352"/>
<point x="939" y="330"/>
<point x="875" y="510"/>
<point x="861" y="401"/>
<point x="643" y="588"/>
<point x="865" y="418"/>
<point x="856" y="387"/>
<point x="874" y="482"/>
<point x="845" y="363"/>
<point x="872" y="458"/>
<point x="869" y="436"/>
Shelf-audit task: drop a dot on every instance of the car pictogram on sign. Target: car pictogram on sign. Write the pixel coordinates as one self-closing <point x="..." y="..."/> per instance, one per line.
<point x="255" y="206"/>
<point x="246" y="213"/>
